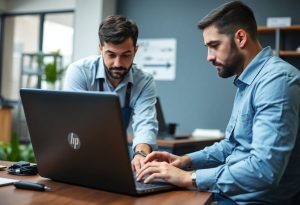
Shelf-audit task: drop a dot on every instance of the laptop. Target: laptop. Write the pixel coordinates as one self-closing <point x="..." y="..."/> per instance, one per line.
<point x="79" y="138"/>
<point x="162" y="126"/>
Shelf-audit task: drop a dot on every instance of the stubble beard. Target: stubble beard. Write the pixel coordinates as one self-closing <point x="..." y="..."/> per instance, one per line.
<point x="116" y="76"/>
<point x="233" y="63"/>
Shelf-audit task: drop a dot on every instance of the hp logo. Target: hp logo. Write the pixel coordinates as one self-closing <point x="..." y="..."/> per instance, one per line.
<point x="74" y="140"/>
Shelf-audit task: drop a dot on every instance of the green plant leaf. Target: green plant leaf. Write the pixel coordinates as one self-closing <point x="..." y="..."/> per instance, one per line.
<point x="3" y="154"/>
<point x="15" y="148"/>
<point x="50" y="73"/>
<point x="14" y="151"/>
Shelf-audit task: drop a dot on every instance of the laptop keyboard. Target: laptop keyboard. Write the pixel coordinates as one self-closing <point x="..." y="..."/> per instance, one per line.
<point x="142" y="185"/>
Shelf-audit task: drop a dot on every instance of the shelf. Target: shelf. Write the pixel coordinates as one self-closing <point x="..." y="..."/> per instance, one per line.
<point x="27" y="71"/>
<point x="265" y="29"/>
<point x="280" y="35"/>
<point x="289" y="53"/>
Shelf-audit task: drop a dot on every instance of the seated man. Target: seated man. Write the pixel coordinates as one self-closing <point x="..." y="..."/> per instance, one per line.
<point x="258" y="162"/>
<point x="114" y="71"/>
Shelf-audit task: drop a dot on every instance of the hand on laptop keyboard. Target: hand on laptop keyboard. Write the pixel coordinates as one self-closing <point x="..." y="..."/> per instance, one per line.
<point x="162" y="165"/>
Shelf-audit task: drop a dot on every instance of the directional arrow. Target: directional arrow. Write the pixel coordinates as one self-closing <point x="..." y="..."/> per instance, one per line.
<point x="167" y="65"/>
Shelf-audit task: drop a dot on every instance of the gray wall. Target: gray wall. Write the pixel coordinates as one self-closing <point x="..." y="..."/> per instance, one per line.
<point x="198" y="98"/>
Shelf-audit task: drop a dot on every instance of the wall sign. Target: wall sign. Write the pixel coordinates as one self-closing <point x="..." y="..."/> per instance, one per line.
<point x="158" y="57"/>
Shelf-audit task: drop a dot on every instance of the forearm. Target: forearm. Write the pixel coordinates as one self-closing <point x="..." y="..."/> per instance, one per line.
<point x="211" y="156"/>
<point x="145" y="125"/>
<point x="246" y="176"/>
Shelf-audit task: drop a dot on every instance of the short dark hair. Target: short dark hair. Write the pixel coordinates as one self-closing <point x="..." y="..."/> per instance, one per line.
<point x="116" y="29"/>
<point x="230" y="17"/>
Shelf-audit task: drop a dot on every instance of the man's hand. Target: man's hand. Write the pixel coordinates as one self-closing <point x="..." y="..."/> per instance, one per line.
<point x="163" y="170"/>
<point x="166" y="166"/>
<point x="177" y="161"/>
<point x="138" y="160"/>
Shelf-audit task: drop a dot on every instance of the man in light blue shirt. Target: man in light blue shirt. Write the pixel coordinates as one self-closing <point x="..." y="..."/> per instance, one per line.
<point x="114" y="71"/>
<point x="258" y="162"/>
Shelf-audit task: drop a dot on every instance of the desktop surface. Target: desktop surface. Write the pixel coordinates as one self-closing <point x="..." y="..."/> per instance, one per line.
<point x="62" y="193"/>
<point x="180" y="146"/>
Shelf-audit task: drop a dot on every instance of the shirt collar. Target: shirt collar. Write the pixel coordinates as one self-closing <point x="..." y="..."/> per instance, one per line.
<point x="101" y="73"/>
<point x="253" y="68"/>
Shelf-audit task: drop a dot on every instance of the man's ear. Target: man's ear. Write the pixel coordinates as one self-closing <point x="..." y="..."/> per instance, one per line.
<point x="241" y="37"/>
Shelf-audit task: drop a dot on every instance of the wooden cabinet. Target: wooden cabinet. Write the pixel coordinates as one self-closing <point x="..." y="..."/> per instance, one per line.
<point x="285" y="41"/>
<point x="5" y="124"/>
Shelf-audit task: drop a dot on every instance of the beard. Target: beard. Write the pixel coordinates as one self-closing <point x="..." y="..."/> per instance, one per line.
<point x="117" y="73"/>
<point x="233" y="63"/>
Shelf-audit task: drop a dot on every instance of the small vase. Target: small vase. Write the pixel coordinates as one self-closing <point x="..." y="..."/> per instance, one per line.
<point x="50" y="86"/>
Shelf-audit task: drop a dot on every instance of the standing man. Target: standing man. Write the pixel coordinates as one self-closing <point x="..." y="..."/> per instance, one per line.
<point x="114" y="71"/>
<point x="258" y="162"/>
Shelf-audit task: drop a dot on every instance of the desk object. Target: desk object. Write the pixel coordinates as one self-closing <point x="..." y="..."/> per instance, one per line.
<point x="5" y="124"/>
<point x="76" y="195"/>
<point x="279" y="21"/>
<point x="208" y="134"/>
<point x="6" y="181"/>
<point x="31" y="186"/>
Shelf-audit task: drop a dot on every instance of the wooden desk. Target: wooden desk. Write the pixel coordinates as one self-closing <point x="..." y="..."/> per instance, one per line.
<point x="182" y="146"/>
<point x="72" y="195"/>
<point x="5" y="124"/>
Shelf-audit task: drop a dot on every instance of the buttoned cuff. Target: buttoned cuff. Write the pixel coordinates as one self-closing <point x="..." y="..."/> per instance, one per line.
<point x="207" y="179"/>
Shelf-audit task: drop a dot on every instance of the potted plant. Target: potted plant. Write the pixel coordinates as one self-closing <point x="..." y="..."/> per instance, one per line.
<point x="14" y="151"/>
<point x="52" y="71"/>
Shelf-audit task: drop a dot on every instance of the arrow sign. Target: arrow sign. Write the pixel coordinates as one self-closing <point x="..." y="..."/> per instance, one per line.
<point x="167" y="65"/>
<point x="158" y="57"/>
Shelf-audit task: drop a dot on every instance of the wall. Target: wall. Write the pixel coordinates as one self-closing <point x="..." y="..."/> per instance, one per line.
<point x="2" y="6"/>
<point x="198" y="97"/>
<point x="38" y="5"/>
<point x="87" y="19"/>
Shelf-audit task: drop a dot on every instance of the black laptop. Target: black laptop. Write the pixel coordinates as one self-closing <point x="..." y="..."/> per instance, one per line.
<point x="79" y="138"/>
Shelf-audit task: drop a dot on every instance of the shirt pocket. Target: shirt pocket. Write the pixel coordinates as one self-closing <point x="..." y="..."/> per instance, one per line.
<point x="243" y="127"/>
